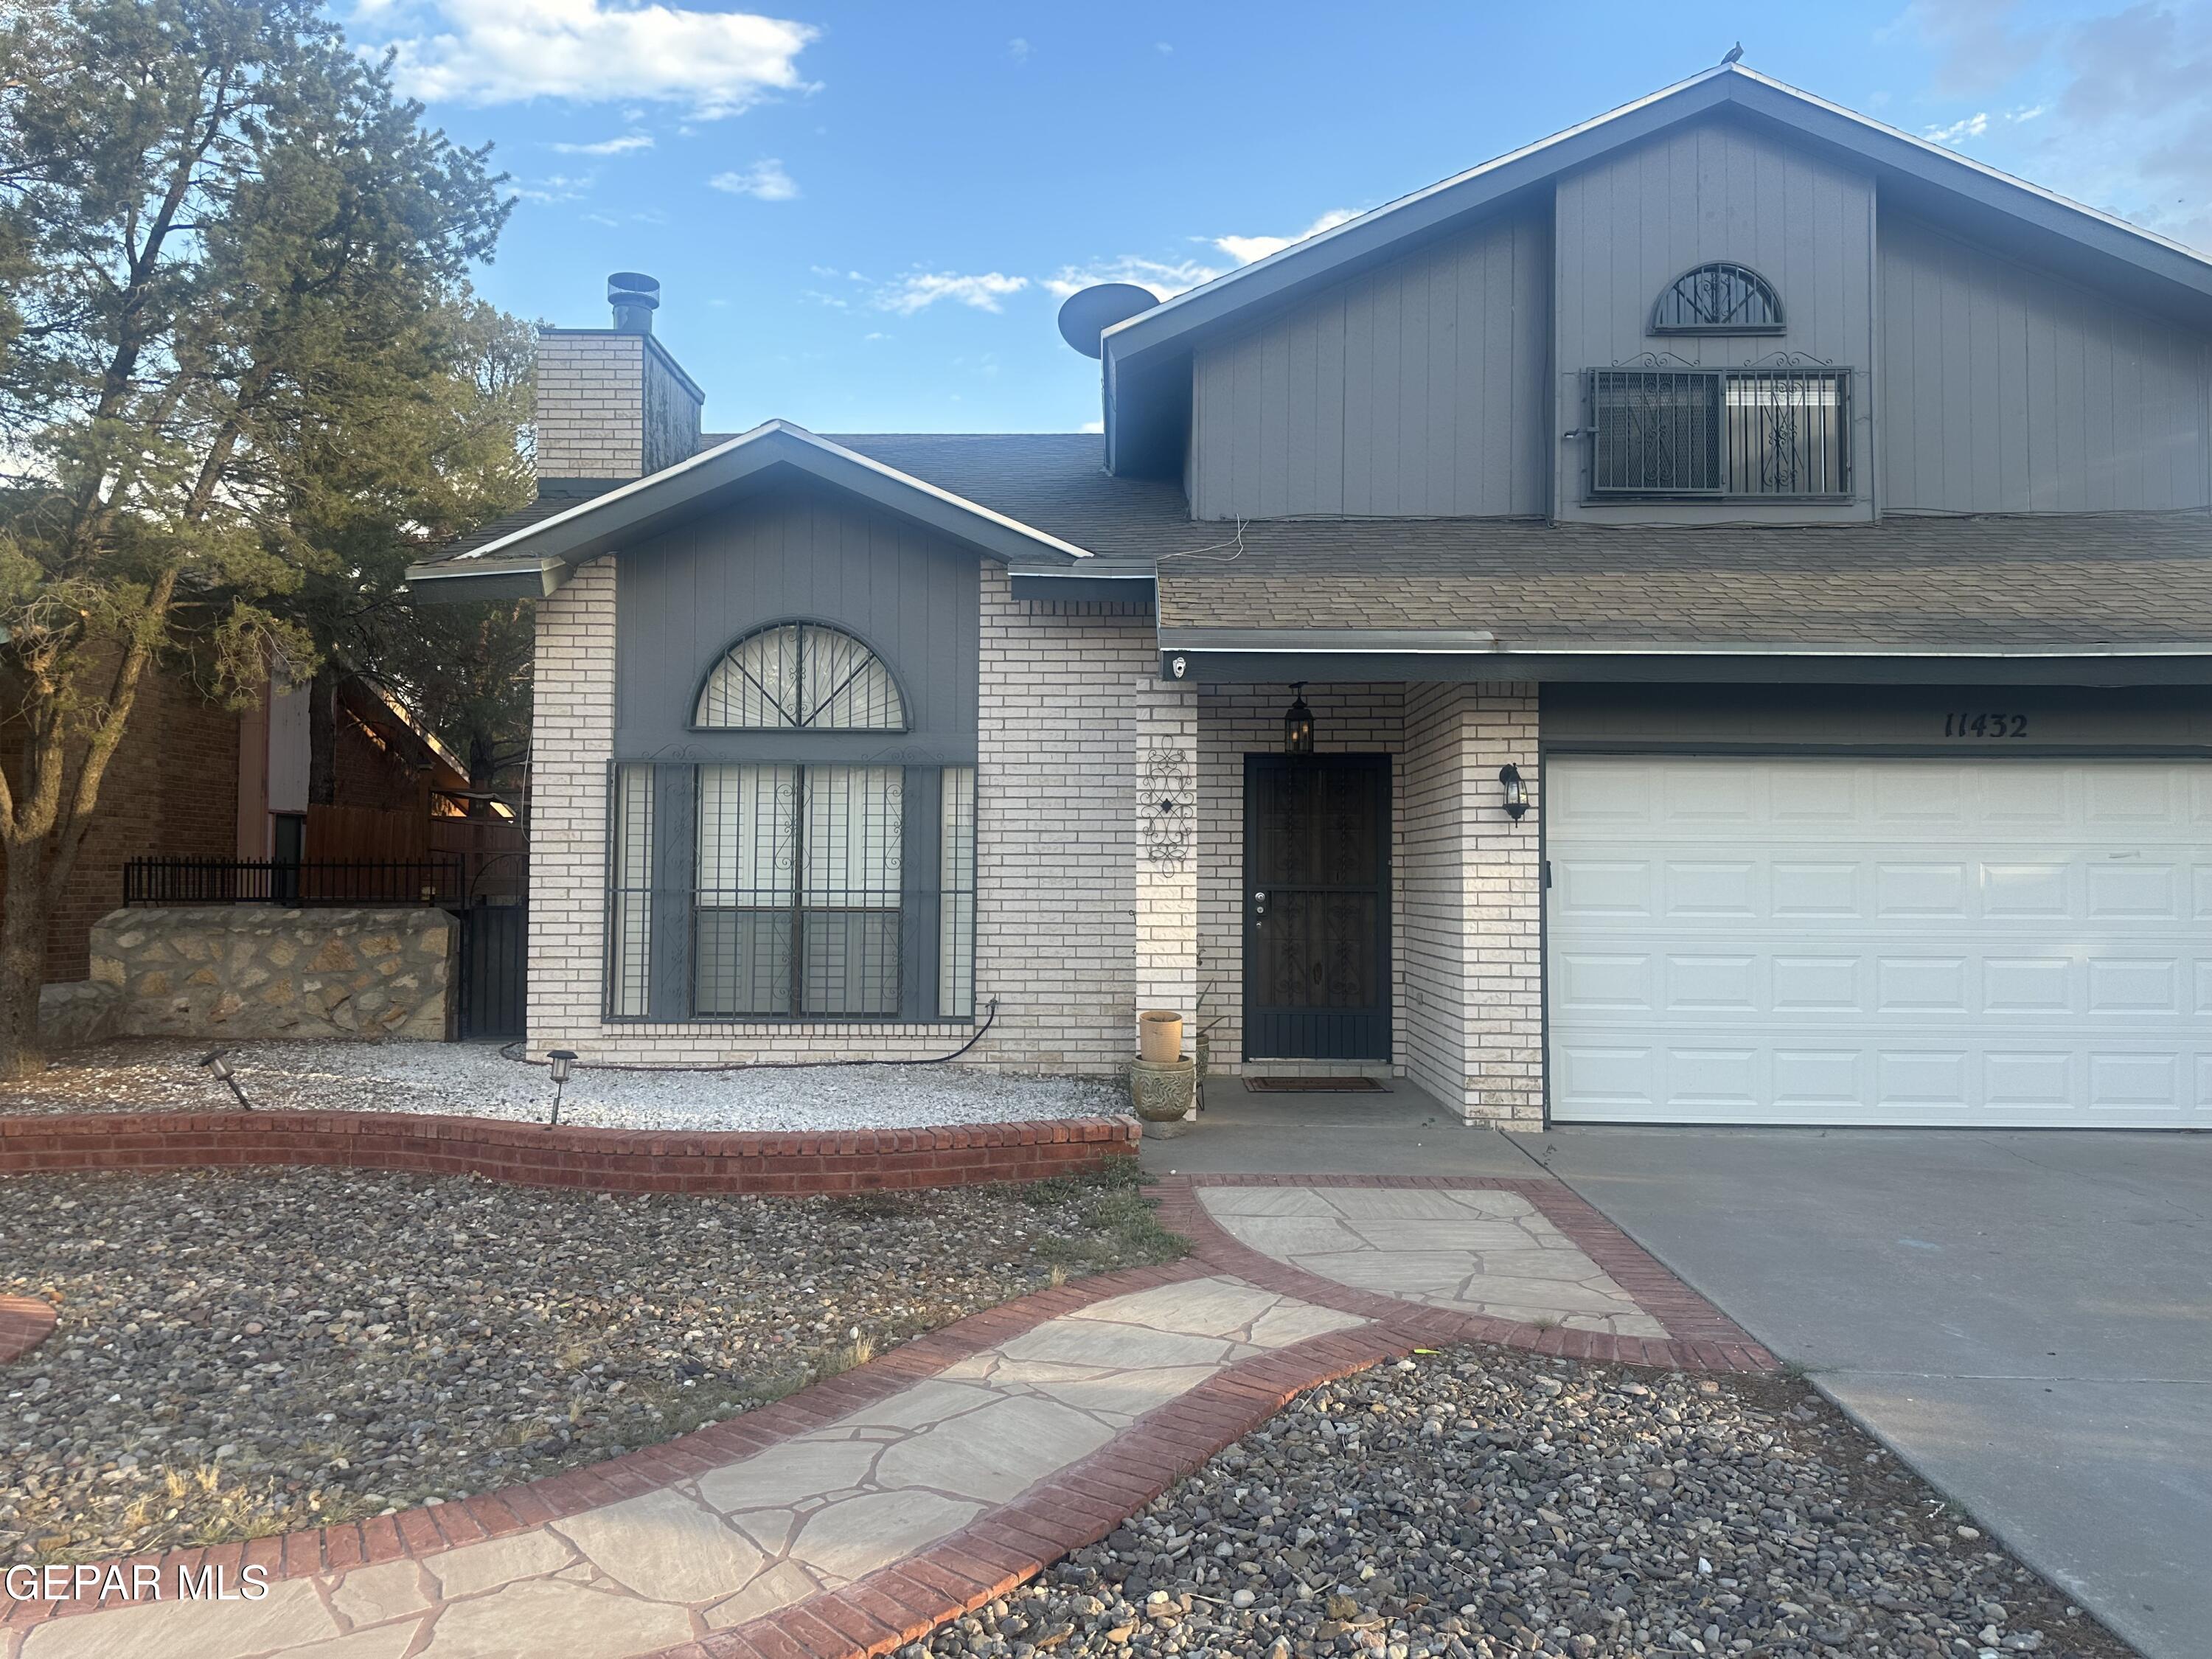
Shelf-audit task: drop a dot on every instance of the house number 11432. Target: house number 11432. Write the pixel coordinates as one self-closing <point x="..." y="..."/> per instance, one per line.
<point x="1985" y="725"/>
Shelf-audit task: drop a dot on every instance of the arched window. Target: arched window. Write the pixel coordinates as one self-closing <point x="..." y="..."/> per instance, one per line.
<point x="1720" y="298"/>
<point x="800" y="677"/>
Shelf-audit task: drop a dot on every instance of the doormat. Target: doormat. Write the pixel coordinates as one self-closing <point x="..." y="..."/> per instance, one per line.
<point x="1313" y="1085"/>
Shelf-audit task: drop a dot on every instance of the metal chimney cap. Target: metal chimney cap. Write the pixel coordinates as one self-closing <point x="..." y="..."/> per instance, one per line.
<point x="634" y="288"/>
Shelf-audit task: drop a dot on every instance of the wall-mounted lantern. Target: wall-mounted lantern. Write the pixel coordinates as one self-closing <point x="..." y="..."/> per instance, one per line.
<point x="1516" y="792"/>
<point x="1298" y="725"/>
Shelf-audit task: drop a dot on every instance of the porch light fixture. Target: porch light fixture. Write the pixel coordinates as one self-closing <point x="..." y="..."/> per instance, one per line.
<point x="560" y="1059"/>
<point x="219" y="1068"/>
<point x="1516" y="792"/>
<point x="1298" y="723"/>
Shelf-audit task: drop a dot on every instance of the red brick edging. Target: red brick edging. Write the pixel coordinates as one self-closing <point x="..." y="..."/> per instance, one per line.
<point x="899" y="1603"/>
<point x="603" y="1160"/>
<point x="25" y="1321"/>
<point x="1699" y="1336"/>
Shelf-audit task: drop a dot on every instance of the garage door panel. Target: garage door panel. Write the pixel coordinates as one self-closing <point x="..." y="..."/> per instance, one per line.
<point x="1879" y="941"/>
<point x="2027" y="985"/>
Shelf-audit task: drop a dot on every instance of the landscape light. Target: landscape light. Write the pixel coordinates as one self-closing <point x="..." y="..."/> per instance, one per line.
<point x="560" y="1059"/>
<point x="215" y="1062"/>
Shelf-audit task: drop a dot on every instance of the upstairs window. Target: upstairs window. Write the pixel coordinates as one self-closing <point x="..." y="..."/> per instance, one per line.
<point x="1754" y="433"/>
<point x="1720" y="298"/>
<point x="800" y="677"/>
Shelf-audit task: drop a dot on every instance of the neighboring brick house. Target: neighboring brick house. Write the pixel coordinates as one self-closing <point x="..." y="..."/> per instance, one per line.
<point x="196" y="779"/>
<point x="1707" y="618"/>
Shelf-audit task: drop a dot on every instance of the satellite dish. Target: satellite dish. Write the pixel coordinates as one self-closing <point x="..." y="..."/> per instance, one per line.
<point x="1087" y="315"/>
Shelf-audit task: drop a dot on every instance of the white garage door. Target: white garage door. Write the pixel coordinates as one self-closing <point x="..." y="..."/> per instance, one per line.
<point x="1985" y="941"/>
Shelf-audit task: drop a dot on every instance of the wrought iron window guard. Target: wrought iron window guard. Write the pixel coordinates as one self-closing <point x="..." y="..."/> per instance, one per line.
<point x="1779" y="428"/>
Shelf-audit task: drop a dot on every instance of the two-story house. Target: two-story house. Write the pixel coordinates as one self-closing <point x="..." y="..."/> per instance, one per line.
<point x="1705" y="618"/>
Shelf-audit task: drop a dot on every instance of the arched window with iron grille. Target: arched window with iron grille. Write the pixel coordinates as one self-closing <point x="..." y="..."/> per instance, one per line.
<point x="1720" y="297"/>
<point x="800" y="677"/>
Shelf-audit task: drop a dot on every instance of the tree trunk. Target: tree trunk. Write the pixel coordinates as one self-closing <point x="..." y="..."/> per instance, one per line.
<point x="22" y="959"/>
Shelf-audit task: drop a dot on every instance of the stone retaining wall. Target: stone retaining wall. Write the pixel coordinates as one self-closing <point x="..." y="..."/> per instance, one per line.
<point x="600" y="1160"/>
<point x="252" y="971"/>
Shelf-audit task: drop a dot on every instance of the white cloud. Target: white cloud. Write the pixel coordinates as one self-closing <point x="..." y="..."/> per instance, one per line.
<point x="1245" y="249"/>
<point x="1970" y="126"/>
<point x="1019" y="50"/>
<point x="1092" y="426"/>
<point x="1165" y="278"/>
<point x="2028" y="113"/>
<point x="765" y="181"/>
<point x="628" y="142"/>
<point x="503" y="51"/>
<point x="920" y="289"/>
<point x="556" y="187"/>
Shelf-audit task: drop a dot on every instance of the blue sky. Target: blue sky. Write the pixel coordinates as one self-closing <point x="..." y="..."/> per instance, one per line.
<point x="864" y="216"/>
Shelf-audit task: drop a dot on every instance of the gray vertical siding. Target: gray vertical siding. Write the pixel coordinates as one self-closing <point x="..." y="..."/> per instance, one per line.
<point x="1627" y="226"/>
<point x="800" y="553"/>
<point x="1414" y="391"/>
<point x="2003" y="390"/>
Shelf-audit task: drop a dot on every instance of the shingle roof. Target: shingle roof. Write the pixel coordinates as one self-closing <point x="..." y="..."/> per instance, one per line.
<point x="553" y="495"/>
<point x="2001" y="582"/>
<point x="2029" y="582"/>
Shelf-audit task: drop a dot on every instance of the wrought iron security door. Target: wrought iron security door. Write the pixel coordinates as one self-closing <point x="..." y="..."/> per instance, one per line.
<point x="1316" y="907"/>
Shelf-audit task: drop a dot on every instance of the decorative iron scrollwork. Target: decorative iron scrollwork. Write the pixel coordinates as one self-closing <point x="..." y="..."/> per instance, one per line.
<point x="1165" y="803"/>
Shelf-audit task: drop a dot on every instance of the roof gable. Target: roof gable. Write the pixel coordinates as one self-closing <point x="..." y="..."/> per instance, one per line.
<point x="535" y="554"/>
<point x="1145" y="358"/>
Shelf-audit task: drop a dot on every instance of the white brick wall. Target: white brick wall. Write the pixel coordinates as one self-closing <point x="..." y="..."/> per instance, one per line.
<point x="1167" y="853"/>
<point x="1472" y="951"/>
<point x="1056" y="840"/>
<point x="1076" y="929"/>
<point x="1055" y="837"/>
<point x="572" y="737"/>
<point x="591" y="404"/>
<point x="608" y="407"/>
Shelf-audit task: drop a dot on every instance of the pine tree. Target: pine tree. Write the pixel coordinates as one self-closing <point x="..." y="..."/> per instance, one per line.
<point x="234" y="312"/>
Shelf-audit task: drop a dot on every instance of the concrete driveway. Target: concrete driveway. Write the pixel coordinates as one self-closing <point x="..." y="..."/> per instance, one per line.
<point x="2026" y="1318"/>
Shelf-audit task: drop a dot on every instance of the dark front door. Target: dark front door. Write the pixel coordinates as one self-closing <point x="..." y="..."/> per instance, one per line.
<point x="1317" y="907"/>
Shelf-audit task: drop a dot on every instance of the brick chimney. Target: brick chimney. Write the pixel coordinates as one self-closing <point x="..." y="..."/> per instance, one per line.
<point x="611" y="402"/>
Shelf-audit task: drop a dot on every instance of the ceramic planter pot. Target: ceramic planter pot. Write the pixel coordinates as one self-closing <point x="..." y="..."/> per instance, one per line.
<point x="1160" y="1092"/>
<point x="1159" y="1034"/>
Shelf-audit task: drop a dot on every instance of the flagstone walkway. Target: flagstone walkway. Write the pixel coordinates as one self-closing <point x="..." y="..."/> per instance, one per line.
<point x="867" y="1509"/>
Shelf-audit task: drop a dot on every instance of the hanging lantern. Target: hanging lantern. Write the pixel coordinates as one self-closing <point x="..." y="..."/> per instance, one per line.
<point x="1298" y="725"/>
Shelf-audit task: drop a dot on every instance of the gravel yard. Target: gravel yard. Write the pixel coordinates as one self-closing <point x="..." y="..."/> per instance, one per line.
<point x="477" y="1080"/>
<point x="242" y="1353"/>
<point x="1482" y="1502"/>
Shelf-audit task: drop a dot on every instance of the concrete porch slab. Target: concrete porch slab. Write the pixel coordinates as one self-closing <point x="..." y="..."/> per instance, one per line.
<point x="1360" y="1133"/>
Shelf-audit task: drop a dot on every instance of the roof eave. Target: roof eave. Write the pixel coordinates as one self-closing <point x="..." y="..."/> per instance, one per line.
<point x="657" y="502"/>
<point x="1321" y="257"/>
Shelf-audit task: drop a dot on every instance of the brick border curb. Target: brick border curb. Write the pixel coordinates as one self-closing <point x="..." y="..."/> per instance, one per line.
<point x="899" y="1603"/>
<point x="1699" y="1336"/>
<point x="25" y="1321"/>
<point x="418" y="1532"/>
<point x="600" y="1160"/>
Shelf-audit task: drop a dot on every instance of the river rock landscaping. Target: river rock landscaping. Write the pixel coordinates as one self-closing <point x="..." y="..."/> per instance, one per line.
<point x="242" y="1353"/>
<point x="478" y="1080"/>
<point x="1482" y="1503"/>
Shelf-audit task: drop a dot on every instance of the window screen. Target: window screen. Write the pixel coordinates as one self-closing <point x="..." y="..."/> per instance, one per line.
<point x="797" y="900"/>
<point x="631" y="900"/>
<point x="956" y="960"/>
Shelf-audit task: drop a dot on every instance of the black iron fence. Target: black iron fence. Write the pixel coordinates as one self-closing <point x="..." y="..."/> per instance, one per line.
<point x="439" y="880"/>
